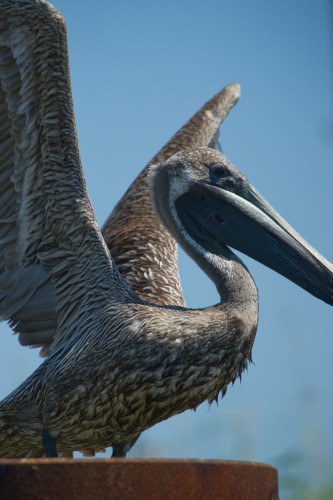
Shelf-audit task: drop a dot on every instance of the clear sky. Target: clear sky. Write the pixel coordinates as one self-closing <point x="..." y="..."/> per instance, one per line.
<point x="139" y="71"/>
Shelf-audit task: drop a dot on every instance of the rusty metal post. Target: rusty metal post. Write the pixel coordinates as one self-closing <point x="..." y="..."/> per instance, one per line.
<point x="136" y="479"/>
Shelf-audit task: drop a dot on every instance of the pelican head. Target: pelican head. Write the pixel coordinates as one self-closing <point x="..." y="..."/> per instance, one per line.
<point x="205" y="201"/>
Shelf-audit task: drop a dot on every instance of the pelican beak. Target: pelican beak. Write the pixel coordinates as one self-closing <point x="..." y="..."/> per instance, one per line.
<point x="246" y="222"/>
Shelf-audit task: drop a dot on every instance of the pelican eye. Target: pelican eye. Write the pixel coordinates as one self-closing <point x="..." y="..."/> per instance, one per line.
<point x="219" y="170"/>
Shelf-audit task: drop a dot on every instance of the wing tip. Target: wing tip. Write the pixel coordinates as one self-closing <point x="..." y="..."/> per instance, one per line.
<point x="234" y="89"/>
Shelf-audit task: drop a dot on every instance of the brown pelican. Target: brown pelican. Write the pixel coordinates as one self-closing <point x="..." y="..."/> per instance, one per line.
<point x="117" y="363"/>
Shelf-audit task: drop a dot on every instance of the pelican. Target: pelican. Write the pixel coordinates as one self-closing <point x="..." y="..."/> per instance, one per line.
<point x="117" y="364"/>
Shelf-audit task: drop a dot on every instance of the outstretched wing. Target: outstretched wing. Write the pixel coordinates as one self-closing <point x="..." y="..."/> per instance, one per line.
<point x="144" y="252"/>
<point x="52" y="256"/>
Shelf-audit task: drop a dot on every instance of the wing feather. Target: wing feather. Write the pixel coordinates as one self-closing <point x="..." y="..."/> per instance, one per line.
<point x="144" y="251"/>
<point x="52" y="255"/>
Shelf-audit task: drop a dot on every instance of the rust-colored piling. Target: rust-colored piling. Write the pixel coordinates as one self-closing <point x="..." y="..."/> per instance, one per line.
<point x="136" y="479"/>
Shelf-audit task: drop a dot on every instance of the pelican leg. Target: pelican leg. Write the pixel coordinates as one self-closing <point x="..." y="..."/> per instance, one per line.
<point x="49" y="444"/>
<point x="120" y="451"/>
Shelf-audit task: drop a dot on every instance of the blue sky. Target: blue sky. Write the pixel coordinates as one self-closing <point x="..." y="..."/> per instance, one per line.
<point x="139" y="71"/>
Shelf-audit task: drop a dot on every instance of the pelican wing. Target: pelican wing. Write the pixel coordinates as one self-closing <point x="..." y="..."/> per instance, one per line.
<point x="144" y="252"/>
<point x="49" y="240"/>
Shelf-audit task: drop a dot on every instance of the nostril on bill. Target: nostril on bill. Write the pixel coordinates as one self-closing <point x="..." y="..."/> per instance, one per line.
<point x="218" y="218"/>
